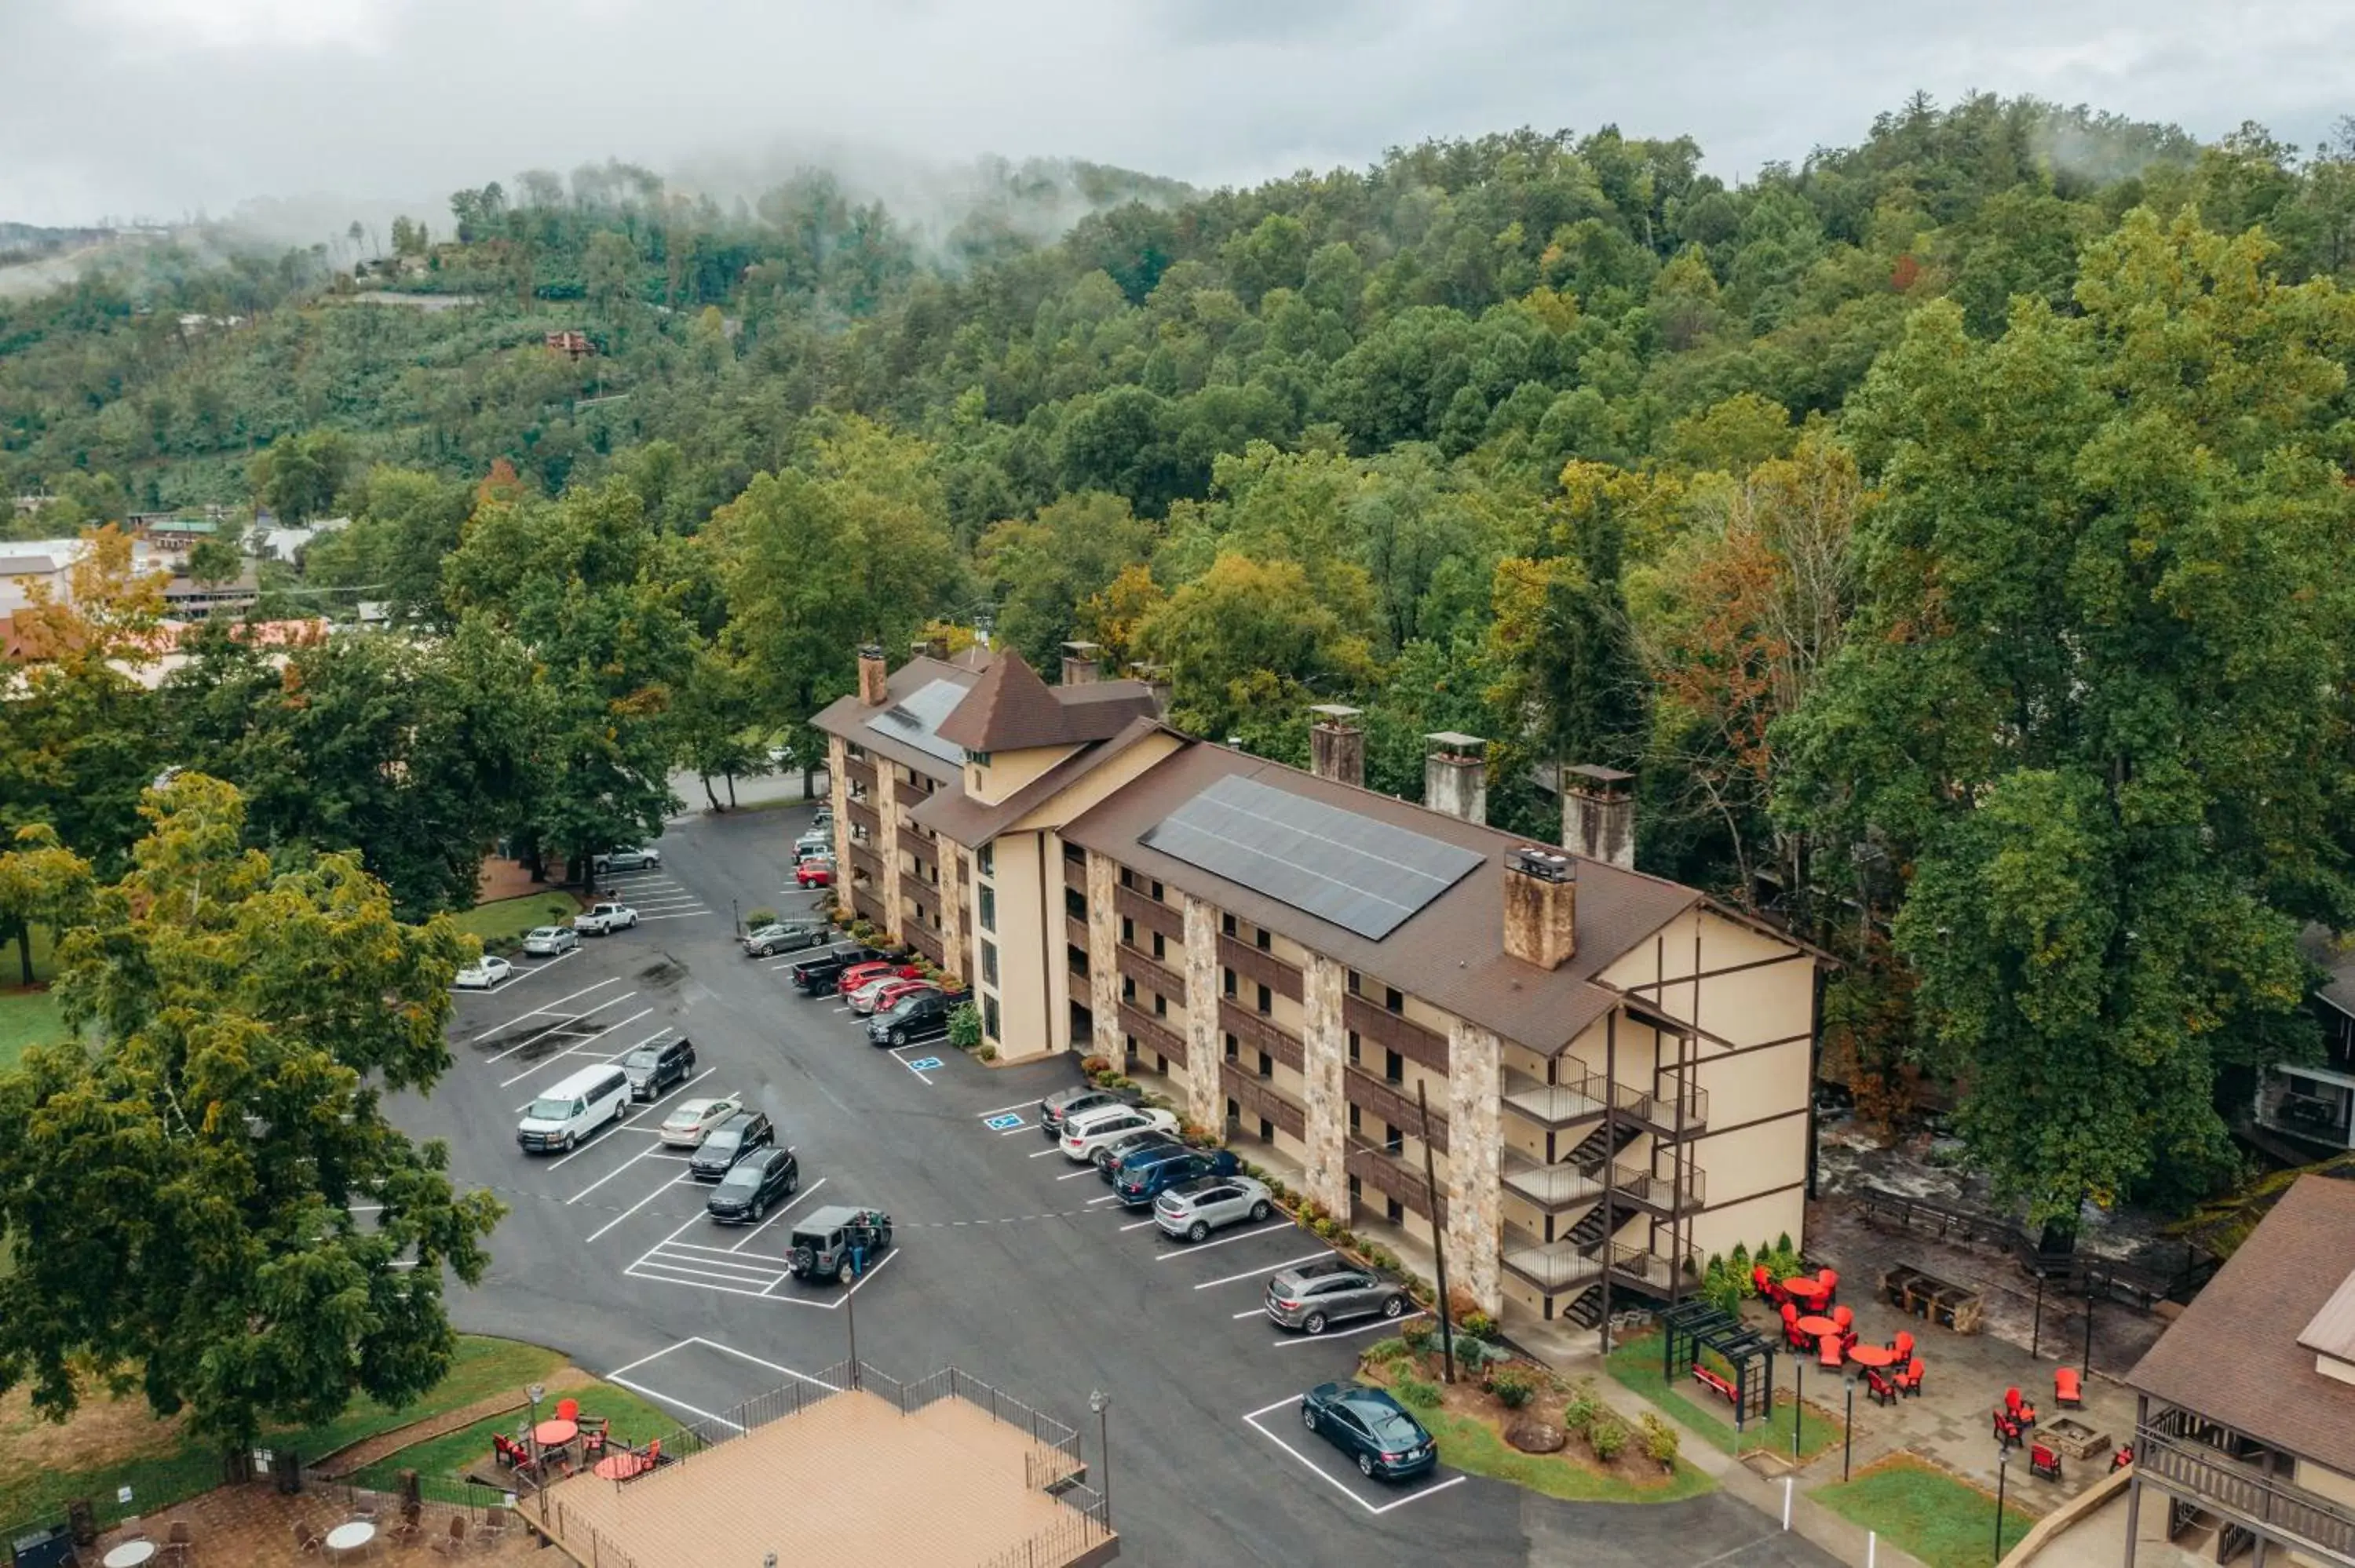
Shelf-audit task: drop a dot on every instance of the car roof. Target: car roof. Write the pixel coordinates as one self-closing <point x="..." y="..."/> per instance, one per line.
<point x="1094" y="1114"/>
<point x="1308" y="1271"/>
<point x="825" y="1219"/>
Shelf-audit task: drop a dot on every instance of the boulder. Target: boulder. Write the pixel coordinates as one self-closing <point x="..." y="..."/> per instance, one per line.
<point x="1531" y="1436"/>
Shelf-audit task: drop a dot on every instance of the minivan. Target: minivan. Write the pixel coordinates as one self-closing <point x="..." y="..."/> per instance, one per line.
<point x="564" y="1115"/>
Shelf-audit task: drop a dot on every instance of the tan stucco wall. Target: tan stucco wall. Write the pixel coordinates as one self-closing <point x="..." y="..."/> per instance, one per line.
<point x="1092" y="787"/>
<point x="1010" y="770"/>
<point x="1024" y="988"/>
<point x="887" y="817"/>
<point x="837" y="789"/>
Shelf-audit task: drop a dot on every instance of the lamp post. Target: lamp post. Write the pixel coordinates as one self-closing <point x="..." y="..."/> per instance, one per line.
<point x="2088" y="1369"/>
<point x="1798" y="1401"/>
<point x="534" y="1393"/>
<point x="1848" y="1447"/>
<point x="2036" y="1330"/>
<point x="2002" y="1474"/>
<point x="1101" y="1402"/>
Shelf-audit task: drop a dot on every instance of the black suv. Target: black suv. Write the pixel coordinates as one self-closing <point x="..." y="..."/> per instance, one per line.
<point x="733" y="1139"/>
<point x="656" y="1067"/>
<point x="754" y="1182"/>
<point x="923" y="1016"/>
<point x="818" y="975"/>
<point x="839" y="1243"/>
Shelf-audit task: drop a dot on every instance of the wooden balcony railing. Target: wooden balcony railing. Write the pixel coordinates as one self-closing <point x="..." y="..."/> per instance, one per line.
<point x="1393" y="1105"/>
<point x="1075" y="877"/>
<point x="1075" y="931"/>
<point x="924" y="941"/>
<point x="1148" y="916"/>
<point x="867" y="905"/>
<point x="921" y="844"/>
<point x="1257" y="1033"/>
<point x="1261" y="1100"/>
<point x="1389" y="1032"/>
<point x="1257" y="968"/>
<point x="1152" y="1034"/>
<point x="2286" y="1512"/>
<point x="1151" y="973"/>
<point x="862" y="816"/>
<point x="1389" y="1174"/>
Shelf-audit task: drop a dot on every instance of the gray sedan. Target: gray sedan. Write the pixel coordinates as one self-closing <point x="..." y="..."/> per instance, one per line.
<point x="1317" y="1294"/>
<point x="1194" y="1209"/>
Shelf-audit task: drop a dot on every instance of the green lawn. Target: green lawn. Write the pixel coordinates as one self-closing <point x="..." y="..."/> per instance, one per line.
<point x="27" y="1018"/>
<point x="501" y="924"/>
<point x="1946" y="1522"/>
<point x="449" y="1457"/>
<point x="1469" y="1445"/>
<point x="1636" y="1365"/>
<point x="116" y="1443"/>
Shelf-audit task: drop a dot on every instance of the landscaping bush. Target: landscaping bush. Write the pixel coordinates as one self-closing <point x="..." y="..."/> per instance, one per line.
<point x="1607" y="1435"/>
<point x="964" y="1026"/>
<point x="756" y="918"/>
<point x="1659" y="1441"/>
<point x="1322" y="1226"/>
<point x="1419" y="1336"/>
<point x="1513" y="1387"/>
<point x="1479" y="1325"/>
<point x="1092" y="1065"/>
<point x="1390" y="1350"/>
<point x="1415" y="1392"/>
<point x="1585" y="1407"/>
<point x="987" y="1053"/>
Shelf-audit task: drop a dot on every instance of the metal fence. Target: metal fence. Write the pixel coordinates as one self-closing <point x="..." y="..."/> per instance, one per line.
<point x="1004" y="1408"/>
<point x="1075" y="1533"/>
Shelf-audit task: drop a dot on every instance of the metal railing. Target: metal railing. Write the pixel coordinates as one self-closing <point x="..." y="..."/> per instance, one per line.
<point x="2274" y="1508"/>
<point x="950" y="1383"/>
<point x="1067" y="1538"/>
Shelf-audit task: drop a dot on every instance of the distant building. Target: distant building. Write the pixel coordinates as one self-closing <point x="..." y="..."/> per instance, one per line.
<point x="168" y="531"/>
<point x="574" y="346"/>
<point x="2313" y="1102"/>
<point x="192" y="600"/>
<point x="284" y="545"/>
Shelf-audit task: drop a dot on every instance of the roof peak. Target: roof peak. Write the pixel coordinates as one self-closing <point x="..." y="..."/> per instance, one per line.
<point x="1008" y="709"/>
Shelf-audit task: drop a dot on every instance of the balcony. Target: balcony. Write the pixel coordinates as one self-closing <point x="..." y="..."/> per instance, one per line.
<point x="863" y="818"/>
<point x="1557" y="1106"/>
<point x="1663" y="1195"/>
<point x="1152" y="1033"/>
<point x="860" y="775"/>
<point x="1258" y="967"/>
<point x="1153" y="973"/>
<point x="921" y="844"/>
<point x="1254" y="1032"/>
<point x="1075" y="877"/>
<point x="1391" y="1032"/>
<point x="1391" y="1175"/>
<point x="1261" y="1100"/>
<point x="1554" y="1189"/>
<point x="1678" y="1111"/>
<point x="867" y="860"/>
<point x="1555" y="1267"/>
<point x="1148" y="916"/>
<point x="2311" y="1104"/>
<point x="868" y="908"/>
<point x="2306" y="1521"/>
<point x="1386" y="1100"/>
<point x="925" y="942"/>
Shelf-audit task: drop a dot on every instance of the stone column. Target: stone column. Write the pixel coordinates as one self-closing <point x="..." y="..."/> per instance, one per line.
<point x="837" y="791"/>
<point x="1103" y="967"/>
<point x="1206" y="1102"/>
<point x="953" y="957"/>
<point x="1324" y="1055"/>
<point x="1474" y="1192"/>
<point x="887" y="847"/>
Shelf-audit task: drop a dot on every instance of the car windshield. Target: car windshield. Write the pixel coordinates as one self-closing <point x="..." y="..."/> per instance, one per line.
<point x="646" y="1057"/>
<point x="544" y="931"/>
<point x="724" y="1137"/>
<point x="550" y="1110"/>
<point x="742" y="1176"/>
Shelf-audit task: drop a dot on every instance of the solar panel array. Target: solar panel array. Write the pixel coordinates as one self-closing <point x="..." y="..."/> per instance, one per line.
<point x="913" y="720"/>
<point x="1356" y="872"/>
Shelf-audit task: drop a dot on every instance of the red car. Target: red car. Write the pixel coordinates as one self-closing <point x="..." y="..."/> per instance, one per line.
<point x="857" y="975"/>
<point x="884" y="996"/>
<point x="813" y="874"/>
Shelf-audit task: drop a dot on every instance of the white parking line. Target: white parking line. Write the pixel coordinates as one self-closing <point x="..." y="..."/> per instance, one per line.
<point x="1042" y="1154"/>
<point x="665" y="1399"/>
<point x="1001" y="1110"/>
<point x="1107" y="1198"/>
<point x="1418" y="1493"/>
<point x="1290" y="1340"/>
<point x="1250" y="1273"/>
<point x="1140" y="1224"/>
<point x="608" y="1175"/>
<point x="641" y="1204"/>
<point x="1252" y="1312"/>
<point x="1085" y="1170"/>
<point x="798" y="1377"/>
<point x="689" y="915"/>
<point x="1224" y="1241"/>
<point x="574" y="1021"/>
<point x="575" y="1046"/>
<point x="780" y="1215"/>
<point x="536" y="1011"/>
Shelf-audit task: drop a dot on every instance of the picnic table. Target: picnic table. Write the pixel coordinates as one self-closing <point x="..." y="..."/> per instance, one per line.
<point x="1924" y="1295"/>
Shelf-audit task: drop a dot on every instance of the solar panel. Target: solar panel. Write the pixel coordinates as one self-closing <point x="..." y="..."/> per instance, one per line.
<point x="913" y="720"/>
<point x="1364" y="876"/>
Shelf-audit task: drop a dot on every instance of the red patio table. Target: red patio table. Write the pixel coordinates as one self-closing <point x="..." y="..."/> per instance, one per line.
<point x="622" y="1466"/>
<point x="1806" y="1290"/>
<point x="555" y="1433"/>
<point x="1816" y="1328"/>
<point x="1866" y="1355"/>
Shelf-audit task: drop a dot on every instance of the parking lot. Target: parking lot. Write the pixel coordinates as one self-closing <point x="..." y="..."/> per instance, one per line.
<point x="1009" y="1261"/>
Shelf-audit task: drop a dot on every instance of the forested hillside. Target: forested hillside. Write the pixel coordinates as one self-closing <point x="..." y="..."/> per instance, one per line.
<point x="1948" y="530"/>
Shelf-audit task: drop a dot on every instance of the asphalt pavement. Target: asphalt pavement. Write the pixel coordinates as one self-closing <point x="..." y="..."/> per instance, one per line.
<point x="1010" y="1263"/>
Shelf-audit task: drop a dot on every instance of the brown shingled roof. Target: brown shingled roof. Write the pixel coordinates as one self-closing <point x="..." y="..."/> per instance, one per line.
<point x="1008" y="709"/>
<point x="2234" y="1356"/>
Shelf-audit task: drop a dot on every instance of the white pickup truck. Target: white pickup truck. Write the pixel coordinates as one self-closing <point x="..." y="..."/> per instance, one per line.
<point x="604" y="919"/>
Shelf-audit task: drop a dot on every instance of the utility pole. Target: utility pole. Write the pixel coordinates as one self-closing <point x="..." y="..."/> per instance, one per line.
<point x="1438" y="1237"/>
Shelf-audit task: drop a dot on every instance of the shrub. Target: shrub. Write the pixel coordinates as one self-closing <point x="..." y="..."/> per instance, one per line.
<point x="1391" y="1349"/>
<point x="1323" y="1226"/>
<point x="1607" y="1435"/>
<point x="1585" y="1407"/>
<point x="1659" y="1440"/>
<point x="1512" y="1387"/>
<point x="964" y="1026"/>
<point x="987" y="1053"/>
<point x="1415" y="1392"/>
<point x="1461" y="1307"/>
<point x="1311" y="1209"/>
<point x="862" y="930"/>
<point x="1479" y="1325"/>
<point x="1092" y="1065"/>
<point x="756" y="918"/>
<point x="1419" y="1336"/>
<point x="1347" y="1238"/>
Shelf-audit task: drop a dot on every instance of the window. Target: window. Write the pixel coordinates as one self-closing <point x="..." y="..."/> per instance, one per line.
<point x="988" y="908"/>
<point x="1226" y="923"/>
<point x="1157" y="893"/>
<point x="1393" y="999"/>
<point x="1161" y="1064"/>
<point x="1128" y="931"/>
<point x="988" y="1016"/>
<point x="1127" y="877"/>
<point x="1353" y="1048"/>
<point x="1160" y="949"/>
<point x="1353" y="982"/>
<point x="1127" y="989"/>
<point x="989" y="963"/>
<point x="978" y="758"/>
<point x="1079" y="960"/>
<point x="1266" y="940"/>
<point x="1266" y="1001"/>
<point x="1074" y="854"/>
<point x="1266" y="1066"/>
<point x="1235" y="1049"/>
<point x="1393" y="1067"/>
<point x="1394" y="1210"/>
<point x="1353" y="1119"/>
<point x="1266" y="1130"/>
<point x="1230" y="981"/>
<point x="1075" y="904"/>
<point x="985" y="857"/>
<point x="1393" y="1142"/>
<point x="1160" y="1005"/>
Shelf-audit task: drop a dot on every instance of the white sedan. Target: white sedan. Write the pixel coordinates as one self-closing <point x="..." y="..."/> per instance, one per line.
<point x="1090" y="1130"/>
<point x="691" y="1120"/>
<point x="483" y="974"/>
<point x="547" y="941"/>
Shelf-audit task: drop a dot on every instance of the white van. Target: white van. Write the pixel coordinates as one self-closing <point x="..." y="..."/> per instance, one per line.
<point x="564" y="1115"/>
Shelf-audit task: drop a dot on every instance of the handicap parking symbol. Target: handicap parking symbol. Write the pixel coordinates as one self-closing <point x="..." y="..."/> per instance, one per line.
<point x="1002" y="1123"/>
<point x="926" y="1065"/>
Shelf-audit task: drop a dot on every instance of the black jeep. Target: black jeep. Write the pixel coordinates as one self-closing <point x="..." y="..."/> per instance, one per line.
<point x="839" y="1243"/>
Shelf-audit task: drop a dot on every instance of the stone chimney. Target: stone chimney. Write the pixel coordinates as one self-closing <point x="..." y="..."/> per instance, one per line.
<point x="929" y="648"/>
<point x="1455" y="775"/>
<point x="872" y="675"/>
<point x="1156" y="679"/>
<point x="1337" y="743"/>
<point x="1080" y="663"/>
<point x="1540" y="906"/>
<point x="1598" y="814"/>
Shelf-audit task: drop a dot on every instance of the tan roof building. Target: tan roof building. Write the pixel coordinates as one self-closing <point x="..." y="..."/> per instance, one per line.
<point x="1616" y="1066"/>
<point x="2246" y="1413"/>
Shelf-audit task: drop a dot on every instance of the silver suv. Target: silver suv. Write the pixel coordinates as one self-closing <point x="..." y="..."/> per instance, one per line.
<point x="1192" y="1210"/>
<point x="1318" y="1294"/>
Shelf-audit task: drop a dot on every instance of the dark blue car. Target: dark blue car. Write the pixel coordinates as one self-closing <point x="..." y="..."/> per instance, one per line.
<point x="1380" y="1438"/>
<point x="1142" y="1176"/>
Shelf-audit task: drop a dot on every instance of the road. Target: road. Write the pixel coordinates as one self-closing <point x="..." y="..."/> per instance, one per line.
<point x="1010" y="1262"/>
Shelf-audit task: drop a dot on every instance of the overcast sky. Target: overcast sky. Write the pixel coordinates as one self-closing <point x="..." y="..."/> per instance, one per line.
<point x="163" y="108"/>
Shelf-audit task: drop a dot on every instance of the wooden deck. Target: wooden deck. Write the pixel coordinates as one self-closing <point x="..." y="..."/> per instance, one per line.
<point x="849" y="1480"/>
